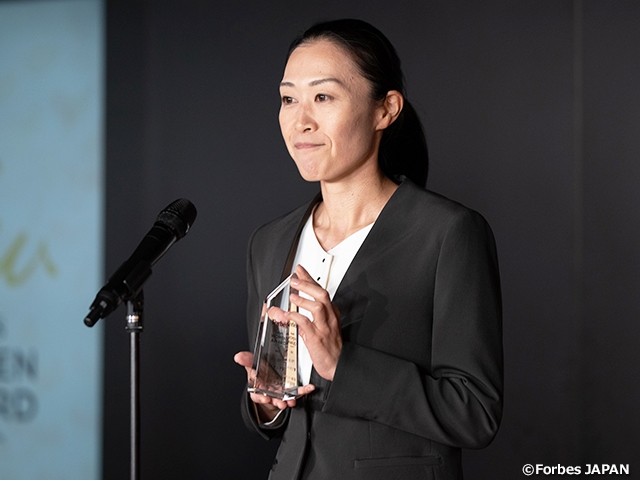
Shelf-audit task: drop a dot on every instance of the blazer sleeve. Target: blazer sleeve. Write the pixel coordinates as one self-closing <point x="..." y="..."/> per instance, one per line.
<point x="247" y="407"/>
<point x="457" y="401"/>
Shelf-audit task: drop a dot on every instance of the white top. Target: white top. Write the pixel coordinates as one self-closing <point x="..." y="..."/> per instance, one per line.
<point x="326" y="268"/>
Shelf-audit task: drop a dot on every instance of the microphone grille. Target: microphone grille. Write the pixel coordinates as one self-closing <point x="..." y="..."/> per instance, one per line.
<point x="178" y="216"/>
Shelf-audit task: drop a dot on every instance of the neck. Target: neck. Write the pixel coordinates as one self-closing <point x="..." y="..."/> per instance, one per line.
<point x="349" y="206"/>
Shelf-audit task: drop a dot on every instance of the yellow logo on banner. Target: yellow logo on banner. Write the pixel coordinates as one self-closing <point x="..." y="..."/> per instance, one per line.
<point x="9" y="258"/>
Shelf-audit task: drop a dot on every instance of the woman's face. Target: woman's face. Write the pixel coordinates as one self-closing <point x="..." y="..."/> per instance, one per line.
<point x="327" y="117"/>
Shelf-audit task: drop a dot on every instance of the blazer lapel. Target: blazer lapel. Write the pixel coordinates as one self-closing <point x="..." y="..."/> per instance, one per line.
<point x="293" y="238"/>
<point x="271" y="247"/>
<point x="392" y="224"/>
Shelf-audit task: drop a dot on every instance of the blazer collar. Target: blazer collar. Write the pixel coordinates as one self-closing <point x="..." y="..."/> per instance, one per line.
<point x="393" y="223"/>
<point x="288" y="264"/>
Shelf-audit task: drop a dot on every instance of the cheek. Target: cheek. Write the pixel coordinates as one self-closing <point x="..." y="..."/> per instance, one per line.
<point x="284" y="125"/>
<point x="355" y="134"/>
<point x="281" y="120"/>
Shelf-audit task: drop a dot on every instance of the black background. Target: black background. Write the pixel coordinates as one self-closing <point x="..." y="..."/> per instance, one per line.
<point x="532" y="113"/>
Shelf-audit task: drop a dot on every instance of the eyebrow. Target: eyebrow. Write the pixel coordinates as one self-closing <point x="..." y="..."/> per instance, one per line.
<point x="315" y="82"/>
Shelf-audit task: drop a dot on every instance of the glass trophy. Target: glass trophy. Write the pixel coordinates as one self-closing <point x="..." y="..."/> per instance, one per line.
<point x="275" y="356"/>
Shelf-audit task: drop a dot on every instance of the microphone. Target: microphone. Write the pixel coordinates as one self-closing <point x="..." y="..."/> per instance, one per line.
<point x="171" y="225"/>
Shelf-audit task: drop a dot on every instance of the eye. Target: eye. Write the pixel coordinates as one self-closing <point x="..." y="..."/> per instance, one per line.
<point x="322" y="97"/>
<point x="287" y="100"/>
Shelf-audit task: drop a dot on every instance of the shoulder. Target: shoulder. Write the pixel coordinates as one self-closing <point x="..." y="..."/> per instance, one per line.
<point x="278" y="235"/>
<point x="425" y="209"/>
<point x="277" y="227"/>
<point x="459" y="237"/>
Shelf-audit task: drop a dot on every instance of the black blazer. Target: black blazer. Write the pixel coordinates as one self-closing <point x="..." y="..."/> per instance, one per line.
<point x="420" y="373"/>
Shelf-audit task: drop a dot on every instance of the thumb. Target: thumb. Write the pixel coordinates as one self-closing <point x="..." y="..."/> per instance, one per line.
<point x="244" y="359"/>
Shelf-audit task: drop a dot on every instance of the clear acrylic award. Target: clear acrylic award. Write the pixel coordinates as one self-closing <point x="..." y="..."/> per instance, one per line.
<point x="275" y="356"/>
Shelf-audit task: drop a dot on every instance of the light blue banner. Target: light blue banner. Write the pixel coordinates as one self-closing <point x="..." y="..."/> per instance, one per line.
<point x="51" y="209"/>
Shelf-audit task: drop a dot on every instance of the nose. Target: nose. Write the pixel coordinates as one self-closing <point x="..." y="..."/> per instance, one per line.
<point x="305" y="120"/>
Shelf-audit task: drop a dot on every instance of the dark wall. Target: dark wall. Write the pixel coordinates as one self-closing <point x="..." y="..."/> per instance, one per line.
<point x="531" y="112"/>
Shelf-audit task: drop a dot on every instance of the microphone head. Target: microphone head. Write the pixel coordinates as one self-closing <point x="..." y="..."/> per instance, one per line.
<point x="178" y="216"/>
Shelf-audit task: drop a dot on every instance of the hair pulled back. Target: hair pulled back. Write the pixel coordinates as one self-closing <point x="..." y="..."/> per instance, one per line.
<point x="403" y="148"/>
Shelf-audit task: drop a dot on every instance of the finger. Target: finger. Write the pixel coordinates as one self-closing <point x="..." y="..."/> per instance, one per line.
<point x="265" y="400"/>
<point x="305" y="390"/>
<point x="281" y="404"/>
<point x="306" y="283"/>
<point x="317" y="308"/>
<point x="299" y="319"/>
<point x="306" y="328"/>
<point x="244" y="359"/>
<point x="277" y="315"/>
<point x="302" y="391"/>
<point x="257" y="398"/>
<point x="302" y="274"/>
<point x="260" y="399"/>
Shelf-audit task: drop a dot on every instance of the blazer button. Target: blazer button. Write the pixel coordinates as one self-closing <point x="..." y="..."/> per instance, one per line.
<point x="308" y="435"/>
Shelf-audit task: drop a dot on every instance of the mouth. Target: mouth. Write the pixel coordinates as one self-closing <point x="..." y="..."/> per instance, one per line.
<point x="306" y="145"/>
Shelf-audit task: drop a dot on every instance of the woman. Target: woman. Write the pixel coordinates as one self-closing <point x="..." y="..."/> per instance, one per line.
<point x="400" y="301"/>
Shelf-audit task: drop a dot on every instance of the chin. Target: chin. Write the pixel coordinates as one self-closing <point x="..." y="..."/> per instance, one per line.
<point x="308" y="175"/>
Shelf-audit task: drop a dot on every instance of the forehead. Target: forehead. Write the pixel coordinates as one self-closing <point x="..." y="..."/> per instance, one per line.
<point x="319" y="59"/>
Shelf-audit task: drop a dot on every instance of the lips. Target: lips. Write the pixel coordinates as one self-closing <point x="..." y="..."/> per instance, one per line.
<point x="306" y="145"/>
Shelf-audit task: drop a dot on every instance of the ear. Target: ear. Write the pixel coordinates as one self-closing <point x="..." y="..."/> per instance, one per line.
<point x="390" y="109"/>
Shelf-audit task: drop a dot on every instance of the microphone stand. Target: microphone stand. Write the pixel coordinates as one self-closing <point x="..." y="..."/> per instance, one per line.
<point x="135" y="307"/>
<point x="126" y="283"/>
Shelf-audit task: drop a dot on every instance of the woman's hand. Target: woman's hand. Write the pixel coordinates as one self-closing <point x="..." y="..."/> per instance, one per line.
<point x="268" y="407"/>
<point x="322" y="335"/>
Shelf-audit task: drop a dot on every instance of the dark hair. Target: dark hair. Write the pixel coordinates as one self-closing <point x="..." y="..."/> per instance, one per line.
<point x="403" y="148"/>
